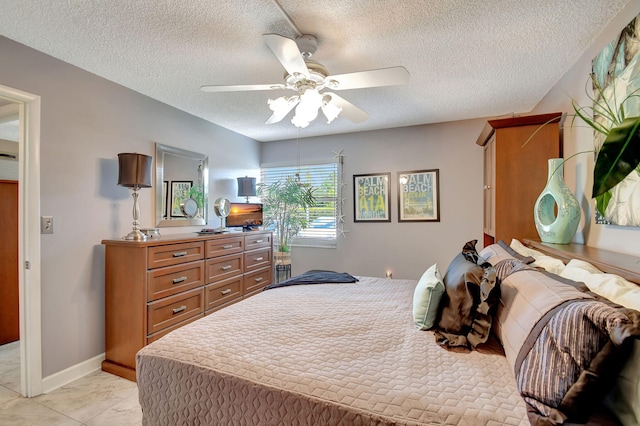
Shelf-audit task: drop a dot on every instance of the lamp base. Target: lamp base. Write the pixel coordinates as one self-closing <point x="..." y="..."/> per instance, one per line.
<point x="135" y="235"/>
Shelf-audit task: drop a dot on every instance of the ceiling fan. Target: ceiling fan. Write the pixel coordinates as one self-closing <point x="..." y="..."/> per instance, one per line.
<point x="312" y="83"/>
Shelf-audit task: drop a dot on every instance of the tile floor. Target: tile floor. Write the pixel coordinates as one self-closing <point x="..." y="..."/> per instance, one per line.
<point x="95" y="400"/>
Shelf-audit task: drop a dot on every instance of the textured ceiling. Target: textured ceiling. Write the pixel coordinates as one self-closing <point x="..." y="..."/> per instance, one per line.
<point x="467" y="58"/>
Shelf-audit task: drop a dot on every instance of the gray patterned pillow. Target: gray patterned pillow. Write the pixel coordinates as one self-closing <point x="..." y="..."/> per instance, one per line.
<point x="506" y="267"/>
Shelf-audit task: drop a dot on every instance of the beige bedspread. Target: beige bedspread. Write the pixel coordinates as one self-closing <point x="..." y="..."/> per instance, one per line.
<point x="324" y="354"/>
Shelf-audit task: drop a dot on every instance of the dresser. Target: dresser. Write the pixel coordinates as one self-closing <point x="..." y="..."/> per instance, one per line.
<point x="153" y="287"/>
<point x="516" y="150"/>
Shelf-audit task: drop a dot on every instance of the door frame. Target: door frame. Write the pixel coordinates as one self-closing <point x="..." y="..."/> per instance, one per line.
<point x="29" y="256"/>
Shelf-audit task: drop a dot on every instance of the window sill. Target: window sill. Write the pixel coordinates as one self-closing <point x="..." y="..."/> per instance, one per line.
<point x="315" y="243"/>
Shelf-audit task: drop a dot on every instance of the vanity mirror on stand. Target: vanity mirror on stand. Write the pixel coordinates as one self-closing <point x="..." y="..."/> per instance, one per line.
<point x="182" y="187"/>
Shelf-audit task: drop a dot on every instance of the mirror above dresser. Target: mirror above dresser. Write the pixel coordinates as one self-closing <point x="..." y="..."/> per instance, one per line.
<point x="182" y="187"/>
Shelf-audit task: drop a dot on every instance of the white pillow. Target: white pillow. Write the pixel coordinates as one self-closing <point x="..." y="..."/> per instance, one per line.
<point x="520" y="248"/>
<point x="548" y="263"/>
<point x="624" y="399"/>
<point x="426" y="298"/>
<point x="610" y="286"/>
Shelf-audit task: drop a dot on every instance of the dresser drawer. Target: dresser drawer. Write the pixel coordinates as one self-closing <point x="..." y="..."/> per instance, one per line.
<point x="160" y="256"/>
<point x="256" y="241"/>
<point x="255" y="281"/>
<point x="171" y="310"/>
<point x="224" y="267"/>
<point x="217" y="308"/>
<point x="172" y="280"/>
<point x="257" y="259"/>
<point x="224" y="246"/>
<point x="155" y="336"/>
<point x="222" y="292"/>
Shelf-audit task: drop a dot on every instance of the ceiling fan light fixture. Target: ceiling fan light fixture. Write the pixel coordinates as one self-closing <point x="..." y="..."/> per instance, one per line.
<point x="307" y="77"/>
<point x="281" y="107"/>
<point x="307" y="109"/>
<point x="330" y="110"/>
<point x="332" y="84"/>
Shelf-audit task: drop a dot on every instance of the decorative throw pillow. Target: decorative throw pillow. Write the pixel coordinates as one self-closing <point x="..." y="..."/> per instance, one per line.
<point x="624" y="399"/>
<point x="426" y="298"/>
<point x="471" y="295"/>
<point x="470" y="253"/>
<point x="575" y="359"/>
<point x="462" y="285"/>
<point x="506" y="267"/>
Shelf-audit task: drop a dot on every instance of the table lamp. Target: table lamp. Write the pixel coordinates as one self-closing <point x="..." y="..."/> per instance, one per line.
<point x="246" y="187"/>
<point x="134" y="172"/>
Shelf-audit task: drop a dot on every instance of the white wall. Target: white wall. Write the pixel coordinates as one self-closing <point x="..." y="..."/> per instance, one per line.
<point x="578" y="138"/>
<point x="86" y="122"/>
<point x="407" y="249"/>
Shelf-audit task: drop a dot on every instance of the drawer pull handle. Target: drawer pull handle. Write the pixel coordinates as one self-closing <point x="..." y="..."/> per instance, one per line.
<point x="226" y="268"/>
<point x="179" y="280"/>
<point x="258" y="259"/>
<point x="259" y="241"/>
<point x="227" y="291"/>
<point x="228" y="246"/>
<point x="180" y="309"/>
<point x="180" y="254"/>
<point x="258" y="279"/>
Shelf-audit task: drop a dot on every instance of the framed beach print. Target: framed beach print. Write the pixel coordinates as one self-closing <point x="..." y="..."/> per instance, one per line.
<point x="419" y="196"/>
<point x="371" y="201"/>
<point x="179" y="193"/>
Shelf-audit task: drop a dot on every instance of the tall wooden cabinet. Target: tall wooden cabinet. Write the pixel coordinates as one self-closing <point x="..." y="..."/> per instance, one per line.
<point x="516" y="151"/>
<point x="156" y="286"/>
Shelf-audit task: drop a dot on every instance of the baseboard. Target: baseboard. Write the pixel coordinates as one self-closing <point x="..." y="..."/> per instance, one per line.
<point x="75" y="372"/>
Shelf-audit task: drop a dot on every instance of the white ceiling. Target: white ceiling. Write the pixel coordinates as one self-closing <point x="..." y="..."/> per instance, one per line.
<point x="467" y="58"/>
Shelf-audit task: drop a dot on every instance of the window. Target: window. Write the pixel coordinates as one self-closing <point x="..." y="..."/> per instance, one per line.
<point x="322" y="220"/>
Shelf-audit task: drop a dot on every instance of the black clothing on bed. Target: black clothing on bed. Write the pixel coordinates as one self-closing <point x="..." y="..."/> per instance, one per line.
<point x="315" y="277"/>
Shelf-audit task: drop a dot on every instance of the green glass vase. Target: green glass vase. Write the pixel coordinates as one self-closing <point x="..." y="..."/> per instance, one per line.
<point x="556" y="211"/>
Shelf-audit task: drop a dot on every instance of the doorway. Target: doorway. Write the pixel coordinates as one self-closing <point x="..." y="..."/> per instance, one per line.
<point x="28" y="244"/>
<point x="9" y="287"/>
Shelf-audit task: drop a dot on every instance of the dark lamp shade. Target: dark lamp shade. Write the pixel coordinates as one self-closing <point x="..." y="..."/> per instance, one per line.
<point x="246" y="187"/>
<point x="134" y="170"/>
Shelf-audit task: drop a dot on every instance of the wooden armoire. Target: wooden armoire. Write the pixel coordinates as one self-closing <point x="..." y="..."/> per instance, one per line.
<point x="516" y="151"/>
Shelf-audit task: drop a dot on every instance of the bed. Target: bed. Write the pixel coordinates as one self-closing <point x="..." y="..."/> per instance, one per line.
<point x="331" y="354"/>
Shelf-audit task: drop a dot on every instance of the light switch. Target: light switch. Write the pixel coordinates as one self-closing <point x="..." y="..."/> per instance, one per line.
<point x="46" y="224"/>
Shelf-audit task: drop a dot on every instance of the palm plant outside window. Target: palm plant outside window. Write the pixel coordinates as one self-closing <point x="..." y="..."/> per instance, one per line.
<point x="312" y="224"/>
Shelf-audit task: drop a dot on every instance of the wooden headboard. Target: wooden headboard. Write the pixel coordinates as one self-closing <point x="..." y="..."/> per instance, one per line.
<point x="625" y="265"/>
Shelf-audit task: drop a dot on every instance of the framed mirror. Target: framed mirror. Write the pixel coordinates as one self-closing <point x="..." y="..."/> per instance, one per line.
<point x="182" y="187"/>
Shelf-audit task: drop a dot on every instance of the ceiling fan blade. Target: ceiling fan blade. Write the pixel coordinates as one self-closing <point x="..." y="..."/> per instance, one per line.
<point x="349" y="110"/>
<point x="373" y="78"/>
<point x="287" y="52"/>
<point x="242" y="87"/>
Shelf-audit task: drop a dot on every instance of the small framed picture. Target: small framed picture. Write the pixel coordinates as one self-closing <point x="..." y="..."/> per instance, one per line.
<point x="179" y="193"/>
<point x="419" y="196"/>
<point x="371" y="200"/>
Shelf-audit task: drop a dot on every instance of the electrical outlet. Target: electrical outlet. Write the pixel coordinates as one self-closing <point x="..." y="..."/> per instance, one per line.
<point x="389" y="274"/>
<point x="46" y="224"/>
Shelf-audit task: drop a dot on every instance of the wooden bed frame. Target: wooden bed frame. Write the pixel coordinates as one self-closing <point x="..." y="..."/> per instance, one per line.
<point x="625" y="265"/>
